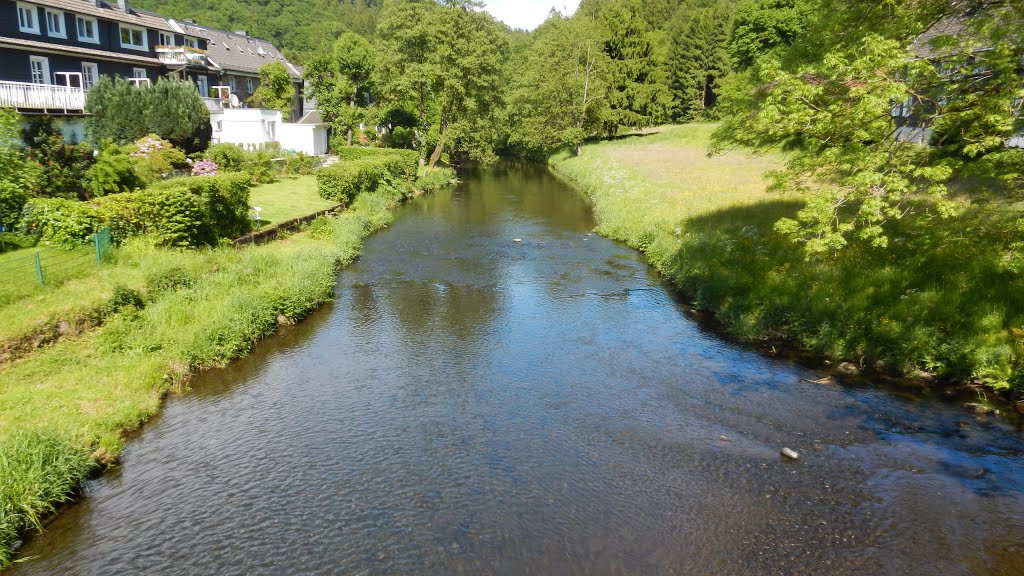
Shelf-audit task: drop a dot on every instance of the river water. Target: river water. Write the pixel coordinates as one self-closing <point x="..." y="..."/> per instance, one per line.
<point x="471" y="405"/>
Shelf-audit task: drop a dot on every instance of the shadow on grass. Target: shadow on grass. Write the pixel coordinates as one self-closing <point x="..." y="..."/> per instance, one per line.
<point x="941" y="297"/>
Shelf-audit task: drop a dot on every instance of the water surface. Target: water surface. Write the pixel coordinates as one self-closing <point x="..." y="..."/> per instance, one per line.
<point x="470" y="405"/>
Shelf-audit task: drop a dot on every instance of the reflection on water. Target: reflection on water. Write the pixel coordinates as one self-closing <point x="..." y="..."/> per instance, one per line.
<point x="470" y="405"/>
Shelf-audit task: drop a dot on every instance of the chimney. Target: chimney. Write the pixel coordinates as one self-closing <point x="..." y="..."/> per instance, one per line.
<point x="123" y="5"/>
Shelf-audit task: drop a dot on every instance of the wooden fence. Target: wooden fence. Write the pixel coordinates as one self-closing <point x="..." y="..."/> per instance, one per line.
<point x="269" y="234"/>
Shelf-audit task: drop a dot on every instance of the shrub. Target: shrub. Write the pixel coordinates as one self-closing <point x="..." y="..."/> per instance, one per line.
<point x="168" y="280"/>
<point x="156" y="158"/>
<point x="400" y="137"/>
<point x="125" y="297"/>
<point x="61" y="167"/>
<point x="12" y="202"/>
<point x="58" y="221"/>
<point x="204" y="168"/>
<point x="321" y="229"/>
<point x="113" y="172"/>
<point x="434" y="179"/>
<point x="299" y="163"/>
<point x="258" y="164"/>
<point x="122" y="112"/>
<point x="363" y="170"/>
<point x="224" y="200"/>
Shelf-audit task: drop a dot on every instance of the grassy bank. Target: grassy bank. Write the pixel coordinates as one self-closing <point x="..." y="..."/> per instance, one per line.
<point x="942" y="300"/>
<point x="167" y="314"/>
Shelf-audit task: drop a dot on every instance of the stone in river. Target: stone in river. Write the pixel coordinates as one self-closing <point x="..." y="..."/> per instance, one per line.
<point x="790" y="453"/>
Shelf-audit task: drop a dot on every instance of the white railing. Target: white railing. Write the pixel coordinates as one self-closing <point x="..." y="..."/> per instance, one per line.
<point x="180" y="56"/>
<point x="41" y="96"/>
<point x="213" y="104"/>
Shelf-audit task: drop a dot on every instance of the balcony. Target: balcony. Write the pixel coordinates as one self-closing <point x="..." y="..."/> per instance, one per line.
<point x="181" y="56"/>
<point x="41" y="97"/>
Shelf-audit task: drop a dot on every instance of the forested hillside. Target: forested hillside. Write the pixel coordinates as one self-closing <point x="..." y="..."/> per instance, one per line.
<point x="298" y="27"/>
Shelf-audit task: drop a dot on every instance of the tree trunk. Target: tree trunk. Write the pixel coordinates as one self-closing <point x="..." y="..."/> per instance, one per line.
<point x="436" y="155"/>
<point x="351" y="104"/>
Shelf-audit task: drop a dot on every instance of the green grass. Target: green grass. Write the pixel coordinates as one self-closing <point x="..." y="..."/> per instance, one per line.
<point x="168" y="314"/>
<point x="943" y="298"/>
<point x="289" y="198"/>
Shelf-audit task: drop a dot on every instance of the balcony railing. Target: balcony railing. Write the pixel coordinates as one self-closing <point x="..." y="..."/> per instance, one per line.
<point x="41" y="96"/>
<point x="181" y="56"/>
<point x="213" y="104"/>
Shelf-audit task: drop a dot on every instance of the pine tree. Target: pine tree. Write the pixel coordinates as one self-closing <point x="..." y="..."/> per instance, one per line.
<point x="698" y="56"/>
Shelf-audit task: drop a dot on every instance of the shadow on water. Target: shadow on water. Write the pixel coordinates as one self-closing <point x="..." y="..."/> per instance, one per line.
<point x="473" y="405"/>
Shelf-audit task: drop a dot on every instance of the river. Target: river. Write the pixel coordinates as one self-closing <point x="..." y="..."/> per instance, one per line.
<point x="473" y="405"/>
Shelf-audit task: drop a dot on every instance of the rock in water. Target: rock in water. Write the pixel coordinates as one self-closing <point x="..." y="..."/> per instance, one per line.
<point x="517" y="240"/>
<point x="790" y="453"/>
<point x="848" y="369"/>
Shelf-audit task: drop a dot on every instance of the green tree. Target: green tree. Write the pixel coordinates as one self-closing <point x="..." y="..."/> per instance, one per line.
<point x="445" y="61"/>
<point x="276" y="90"/>
<point x="638" y="94"/>
<point x="116" y="110"/>
<point x="175" y="111"/>
<point x="338" y="77"/>
<point x="698" y="56"/>
<point x="559" y="95"/>
<point x="761" y="26"/>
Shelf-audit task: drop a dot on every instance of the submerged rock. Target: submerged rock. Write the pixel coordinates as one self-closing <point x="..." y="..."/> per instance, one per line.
<point x="790" y="453"/>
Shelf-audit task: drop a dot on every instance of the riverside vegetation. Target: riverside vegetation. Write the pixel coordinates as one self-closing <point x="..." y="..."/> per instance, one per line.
<point x="164" y="314"/>
<point x="940" y="301"/>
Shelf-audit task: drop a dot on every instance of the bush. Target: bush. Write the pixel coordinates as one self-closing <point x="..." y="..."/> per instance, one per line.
<point x="58" y="221"/>
<point x="113" y="172"/>
<point x="363" y="169"/>
<point x="299" y="163"/>
<point x="61" y="167"/>
<point x="224" y="201"/>
<point x="12" y="202"/>
<point x="258" y="164"/>
<point x="157" y="158"/>
<point x="122" y="112"/>
<point x="435" y="179"/>
<point x="400" y="137"/>
<point x="321" y="229"/>
<point x="168" y="280"/>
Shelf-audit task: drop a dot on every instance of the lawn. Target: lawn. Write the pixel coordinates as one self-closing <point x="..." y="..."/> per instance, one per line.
<point x="287" y="199"/>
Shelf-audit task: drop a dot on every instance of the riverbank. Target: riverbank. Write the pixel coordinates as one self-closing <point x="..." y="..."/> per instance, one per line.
<point x="941" y="304"/>
<point x="166" y="316"/>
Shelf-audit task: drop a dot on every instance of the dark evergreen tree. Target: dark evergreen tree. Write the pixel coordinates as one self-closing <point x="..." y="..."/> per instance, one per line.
<point x="698" y="56"/>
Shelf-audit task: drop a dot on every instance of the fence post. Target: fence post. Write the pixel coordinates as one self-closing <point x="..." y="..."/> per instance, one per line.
<point x="39" y="269"/>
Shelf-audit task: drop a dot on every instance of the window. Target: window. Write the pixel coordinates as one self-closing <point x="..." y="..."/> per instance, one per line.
<point x="271" y="130"/>
<point x="90" y="73"/>
<point x="248" y="85"/>
<point x="166" y="39"/>
<point x="40" y="69"/>
<point x="204" y="86"/>
<point x="191" y="42"/>
<point x="139" y="73"/>
<point x="134" y="38"/>
<point x="231" y="83"/>
<point x="27" y="20"/>
<point x="55" y="24"/>
<point x="88" y="29"/>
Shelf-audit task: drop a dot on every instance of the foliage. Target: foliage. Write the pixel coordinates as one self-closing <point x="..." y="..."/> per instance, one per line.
<point x="157" y="158"/>
<point x="834" y="110"/>
<point x="638" y="97"/>
<point x="223" y="201"/>
<point x="762" y="26"/>
<point x="59" y="222"/>
<point x="698" y="57"/>
<point x="445" y="62"/>
<point x="258" y="164"/>
<point x="12" y="202"/>
<point x="435" y="179"/>
<point x="61" y="167"/>
<point x="338" y="79"/>
<point x="276" y="90"/>
<point x="364" y="171"/>
<point x="299" y="163"/>
<point x="170" y="109"/>
<point x="204" y="168"/>
<point x="561" y="92"/>
<point x="14" y="167"/>
<point x="113" y="171"/>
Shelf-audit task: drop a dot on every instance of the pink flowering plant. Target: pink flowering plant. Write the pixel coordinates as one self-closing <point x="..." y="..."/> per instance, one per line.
<point x="157" y="158"/>
<point x="204" y="168"/>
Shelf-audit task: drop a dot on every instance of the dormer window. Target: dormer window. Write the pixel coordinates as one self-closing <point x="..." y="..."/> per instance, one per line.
<point x="133" y="38"/>
<point x="27" y="19"/>
<point x="55" y="24"/>
<point x="166" y="39"/>
<point x="88" y="29"/>
<point x="191" y="42"/>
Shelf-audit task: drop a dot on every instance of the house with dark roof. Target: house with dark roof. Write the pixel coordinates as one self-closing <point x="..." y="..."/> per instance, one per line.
<point x="237" y="58"/>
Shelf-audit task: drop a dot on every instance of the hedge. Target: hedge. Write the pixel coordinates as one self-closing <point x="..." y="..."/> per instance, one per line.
<point x="363" y="169"/>
<point x="178" y="212"/>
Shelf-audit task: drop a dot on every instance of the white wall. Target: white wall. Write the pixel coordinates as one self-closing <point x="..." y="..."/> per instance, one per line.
<point x="307" y="138"/>
<point x="250" y="127"/>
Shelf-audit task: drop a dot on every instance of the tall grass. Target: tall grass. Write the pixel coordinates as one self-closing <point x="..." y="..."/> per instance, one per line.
<point x="175" y="314"/>
<point x="940" y="299"/>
